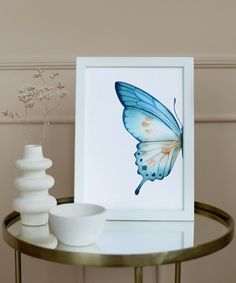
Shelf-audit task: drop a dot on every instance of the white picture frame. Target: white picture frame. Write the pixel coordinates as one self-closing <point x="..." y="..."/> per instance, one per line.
<point x="105" y="143"/>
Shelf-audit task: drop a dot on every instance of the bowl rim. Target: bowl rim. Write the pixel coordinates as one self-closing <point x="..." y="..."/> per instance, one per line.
<point x="53" y="210"/>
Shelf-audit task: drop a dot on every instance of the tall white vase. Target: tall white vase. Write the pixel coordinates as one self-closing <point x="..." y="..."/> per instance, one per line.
<point x="34" y="201"/>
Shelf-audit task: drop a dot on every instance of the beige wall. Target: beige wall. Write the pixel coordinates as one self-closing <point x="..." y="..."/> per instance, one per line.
<point x="52" y="33"/>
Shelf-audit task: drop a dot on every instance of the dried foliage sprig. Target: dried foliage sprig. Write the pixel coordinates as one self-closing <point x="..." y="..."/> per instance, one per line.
<point x="47" y="95"/>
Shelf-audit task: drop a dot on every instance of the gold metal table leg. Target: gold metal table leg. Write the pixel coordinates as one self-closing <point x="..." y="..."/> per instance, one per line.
<point x="177" y="272"/>
<point x="157" y="274"/>
<point x="17" y="267"/>
<point x="138" y="274"/>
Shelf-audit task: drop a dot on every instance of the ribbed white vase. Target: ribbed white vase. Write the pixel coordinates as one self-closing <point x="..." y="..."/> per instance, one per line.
<point x="34" y="201"/>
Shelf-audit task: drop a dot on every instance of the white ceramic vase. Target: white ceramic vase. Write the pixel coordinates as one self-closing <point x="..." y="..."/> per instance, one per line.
<point x="34" y="201"/>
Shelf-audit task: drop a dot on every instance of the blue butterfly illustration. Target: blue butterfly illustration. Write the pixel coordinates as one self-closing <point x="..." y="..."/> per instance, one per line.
<point x="155" y="127"/>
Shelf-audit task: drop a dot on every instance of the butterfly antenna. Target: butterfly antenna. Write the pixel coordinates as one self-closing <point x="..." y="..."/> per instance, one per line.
<point x="176" y="113"/>
<point x="139" y="186"/>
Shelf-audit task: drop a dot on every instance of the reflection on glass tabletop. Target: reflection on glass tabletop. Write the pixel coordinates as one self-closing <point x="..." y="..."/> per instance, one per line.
<point x="129" y="243"/>
<point x="131" y="237"/>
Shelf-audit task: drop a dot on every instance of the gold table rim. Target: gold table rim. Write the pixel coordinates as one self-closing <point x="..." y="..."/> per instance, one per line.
<point x="128" y="260"/>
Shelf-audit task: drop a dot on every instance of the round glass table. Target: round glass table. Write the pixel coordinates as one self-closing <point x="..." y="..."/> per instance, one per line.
<point x="127" y="243"/>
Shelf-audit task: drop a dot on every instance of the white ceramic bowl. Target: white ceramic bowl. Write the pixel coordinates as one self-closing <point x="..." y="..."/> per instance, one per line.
<point x="77" y="224"/>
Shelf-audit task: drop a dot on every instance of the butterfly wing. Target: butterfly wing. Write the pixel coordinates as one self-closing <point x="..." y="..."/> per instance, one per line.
<point x="131" y="96"/>
<point x="156" y="129"/>
<point x="145" y="126"/>
<point x="156" y="159"/>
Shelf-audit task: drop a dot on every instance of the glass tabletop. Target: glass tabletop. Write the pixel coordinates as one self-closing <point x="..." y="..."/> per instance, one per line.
<point x="127" y="243"/>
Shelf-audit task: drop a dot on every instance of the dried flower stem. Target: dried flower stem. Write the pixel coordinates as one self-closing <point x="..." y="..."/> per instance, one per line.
<point x="45" y="96"/>
<point x="45" y="126"/>
<point x="26" y="126"/>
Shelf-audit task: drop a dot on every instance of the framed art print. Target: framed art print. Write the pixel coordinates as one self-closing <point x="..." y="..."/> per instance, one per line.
<point x="134" y="151"/>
